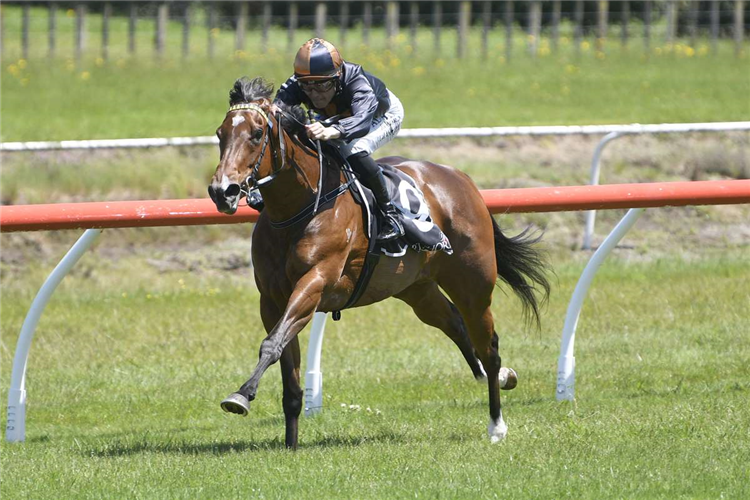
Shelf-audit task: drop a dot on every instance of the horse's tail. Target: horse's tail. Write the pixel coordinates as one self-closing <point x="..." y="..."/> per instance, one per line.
<point x="523" y="267"/>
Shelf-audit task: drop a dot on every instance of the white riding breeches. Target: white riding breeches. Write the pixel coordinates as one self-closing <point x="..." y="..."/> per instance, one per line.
<point x="382" y="130"/>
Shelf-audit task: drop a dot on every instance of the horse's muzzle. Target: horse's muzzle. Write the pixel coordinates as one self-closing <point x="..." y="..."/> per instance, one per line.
<point x="226" y="200"/>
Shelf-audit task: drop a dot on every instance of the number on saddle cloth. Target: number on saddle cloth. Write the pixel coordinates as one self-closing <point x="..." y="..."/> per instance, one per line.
<point x="421" y="233"/>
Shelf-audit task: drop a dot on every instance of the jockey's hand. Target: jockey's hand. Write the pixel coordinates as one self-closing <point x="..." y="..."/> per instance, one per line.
<point x="318" y="131"/>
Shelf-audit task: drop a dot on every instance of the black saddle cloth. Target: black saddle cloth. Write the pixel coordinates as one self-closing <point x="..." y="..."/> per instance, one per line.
<point x="420" y="232"/>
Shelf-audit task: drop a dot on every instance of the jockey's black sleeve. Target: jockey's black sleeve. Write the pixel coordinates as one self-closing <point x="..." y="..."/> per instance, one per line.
<point x="360" y="98"/>
<point x="290" y="93"/>
<point x="367" y="97"/>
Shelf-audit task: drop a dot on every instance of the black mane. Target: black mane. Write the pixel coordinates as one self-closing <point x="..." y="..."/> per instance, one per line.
<point x="246" y="90"/>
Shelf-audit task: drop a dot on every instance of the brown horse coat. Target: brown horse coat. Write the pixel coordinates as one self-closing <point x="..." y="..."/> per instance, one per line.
<point x="314" y="265"/>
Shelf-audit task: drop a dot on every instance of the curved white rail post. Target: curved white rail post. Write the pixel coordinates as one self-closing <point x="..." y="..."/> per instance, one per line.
<point x="566" y="364"/>
<point x="595" y="169"/>
<point x="15" y="429"/>
<point x="313" y="375"/>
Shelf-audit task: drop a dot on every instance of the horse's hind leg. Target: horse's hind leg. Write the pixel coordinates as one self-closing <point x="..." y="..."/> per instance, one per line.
<point x="434" y="308"/>
<point x="473" y="298"/>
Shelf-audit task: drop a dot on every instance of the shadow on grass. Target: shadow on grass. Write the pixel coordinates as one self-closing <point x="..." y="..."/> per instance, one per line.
<point x="227" y="447"/>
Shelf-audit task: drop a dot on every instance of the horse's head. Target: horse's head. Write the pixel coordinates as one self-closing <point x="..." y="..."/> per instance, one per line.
<point x="244" y="138"/>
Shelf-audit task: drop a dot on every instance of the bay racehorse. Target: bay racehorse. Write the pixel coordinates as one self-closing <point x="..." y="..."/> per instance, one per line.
<point x="313" y="262"/>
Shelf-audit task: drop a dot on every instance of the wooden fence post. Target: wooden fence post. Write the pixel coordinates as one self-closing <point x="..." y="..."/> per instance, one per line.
<point x="293" y="23"/>
<point x="211" y="26"/>
<point x="464" y="19"/>
<point x="437" y="24"/>
<point x="366" y="23"/>
<point x="625" y="20"/>
<point x="603" y="17"/>
<point x="162" y="15"/>
<point x="186" y="32"/>
<point x="486" y="26"/>
<point x="343" y="21"/>
<point x="556" y="17"/>
<point x="80" y="30"/>
<point x="693" y="22"/>
<point x="267" y="18"/>
<point x="671" y="21"/>
<point x="535" y="23"/>
<point x="579" y="25"/>
<point x="241" y="28"/>
<point x="25" y="30"/>
<point x="321" y="11"/>
<point x="508" y="29"/>
<point x="52" y="30"/>
<point x="2" y="29"/>
<point x="647" y="27"/>
<point x="413" y="25"/>
<point x="106" y="15"/>
<point x="739" y="25"/>
<point x="391" y="22"/>
<point x="132" y="22"/>
<point x="714" y="25"/>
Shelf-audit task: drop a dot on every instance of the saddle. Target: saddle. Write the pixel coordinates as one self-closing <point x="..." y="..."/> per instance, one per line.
<point x="420" y="233"/>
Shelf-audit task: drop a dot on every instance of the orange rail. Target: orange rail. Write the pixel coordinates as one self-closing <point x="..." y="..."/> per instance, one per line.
<point x="202" y="211"/>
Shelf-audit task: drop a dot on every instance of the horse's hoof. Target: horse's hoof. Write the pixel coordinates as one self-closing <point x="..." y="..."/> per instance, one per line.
<point x="508" y="378"/>
<point x="236" y="403"/>
<point x="497" y="430"/>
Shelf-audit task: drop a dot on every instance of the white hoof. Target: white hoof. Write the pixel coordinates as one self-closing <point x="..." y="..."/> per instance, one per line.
<point x="505" y="374"/>
<point x="503" y="377"/>
<point x="497" y="430"/>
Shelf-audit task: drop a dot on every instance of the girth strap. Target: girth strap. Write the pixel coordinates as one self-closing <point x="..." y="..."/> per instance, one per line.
<point x="368" y="268"/>
<point x="308" y="210"/>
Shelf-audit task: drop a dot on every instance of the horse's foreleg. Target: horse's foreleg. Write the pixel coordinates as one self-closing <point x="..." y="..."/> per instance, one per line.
<point x="293" y="393"/>
<point x="298" y="313"/>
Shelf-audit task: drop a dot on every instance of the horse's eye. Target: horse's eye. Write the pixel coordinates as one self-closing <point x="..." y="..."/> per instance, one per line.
<point x="258" y="134"/>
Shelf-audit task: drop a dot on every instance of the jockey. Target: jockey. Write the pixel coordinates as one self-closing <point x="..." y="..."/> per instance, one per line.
<point x="370" y="115"/>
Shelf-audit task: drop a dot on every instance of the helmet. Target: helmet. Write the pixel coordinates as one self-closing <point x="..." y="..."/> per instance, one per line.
<point x="317" y="60"/>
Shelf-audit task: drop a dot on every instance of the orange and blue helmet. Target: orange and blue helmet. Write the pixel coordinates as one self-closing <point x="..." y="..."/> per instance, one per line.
<point x="317" y="59"/>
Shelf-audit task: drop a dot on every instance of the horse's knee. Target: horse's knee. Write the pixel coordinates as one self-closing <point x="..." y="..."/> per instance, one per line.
<point x="271" y="349"/>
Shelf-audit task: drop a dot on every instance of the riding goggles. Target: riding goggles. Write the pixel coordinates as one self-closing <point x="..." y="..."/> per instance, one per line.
<point x="317" y="85"/>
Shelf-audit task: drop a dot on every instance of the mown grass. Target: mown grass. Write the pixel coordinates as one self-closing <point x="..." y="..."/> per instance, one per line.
<point x="129" y="365"/>
<point x="154" y="327"/>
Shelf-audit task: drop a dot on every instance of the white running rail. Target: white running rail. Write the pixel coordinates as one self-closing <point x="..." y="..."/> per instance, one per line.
<point x="404" y="134"/>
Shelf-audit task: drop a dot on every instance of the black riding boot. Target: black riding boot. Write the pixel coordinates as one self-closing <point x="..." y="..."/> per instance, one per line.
<point x="391" y="216"/>
<point x="372" y="177"/>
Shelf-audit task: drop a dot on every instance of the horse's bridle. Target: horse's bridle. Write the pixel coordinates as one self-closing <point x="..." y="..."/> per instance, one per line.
<point x="251" y="182"/>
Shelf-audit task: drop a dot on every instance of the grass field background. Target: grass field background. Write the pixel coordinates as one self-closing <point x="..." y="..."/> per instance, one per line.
<point x="154" y="327"/>
<point x="130" y="363"/>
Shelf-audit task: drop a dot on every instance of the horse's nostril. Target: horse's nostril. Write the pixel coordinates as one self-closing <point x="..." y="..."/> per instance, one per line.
<point x="211" y="193"/>
<point x="232" y="190"/>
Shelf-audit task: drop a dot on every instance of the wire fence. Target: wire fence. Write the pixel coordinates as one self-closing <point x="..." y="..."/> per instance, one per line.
<point x="75" y="29"/>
